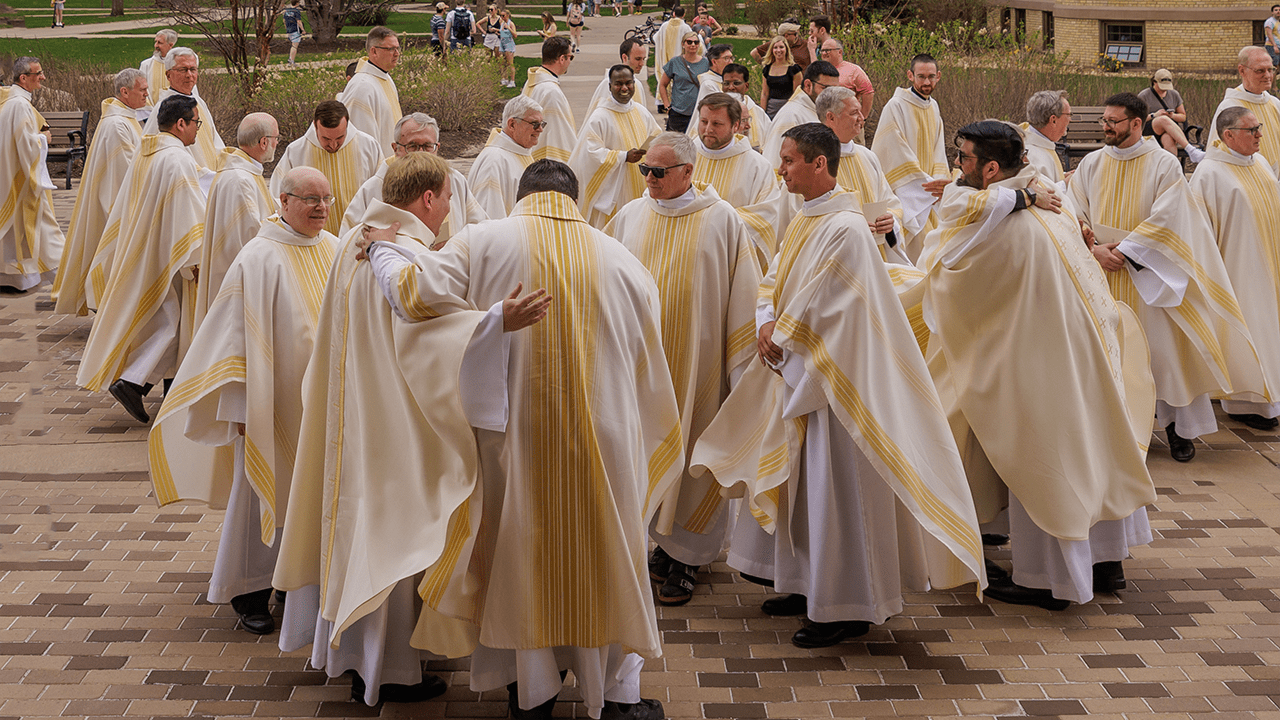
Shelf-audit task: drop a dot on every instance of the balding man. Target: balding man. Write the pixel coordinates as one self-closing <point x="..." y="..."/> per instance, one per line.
<point x="182" y="68"/>
<point x="238" y="203"/>
<point x="30" y="239"/>
<point x="418" y="132"/>
<point x="239" y="392"/>
<point x="153" y="67"/>
<point x="335" y="147"/>
<point x="371" y="95"/>
<point x="115" y="141"/>
<point x="851" y="77"/>
<point x="495" y="174"/>
<point x="1257" y="74"/>
<point x="1048" y="115"/>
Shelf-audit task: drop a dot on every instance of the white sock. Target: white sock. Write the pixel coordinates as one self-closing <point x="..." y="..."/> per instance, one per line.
<point x="1194" y="153"/>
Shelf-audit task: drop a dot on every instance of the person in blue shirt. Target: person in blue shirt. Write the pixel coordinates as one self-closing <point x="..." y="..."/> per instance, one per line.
<point x="294" y="28"/>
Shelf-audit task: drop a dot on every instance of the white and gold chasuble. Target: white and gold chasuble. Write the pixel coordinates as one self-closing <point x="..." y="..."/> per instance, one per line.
<point x="643" y="97"/>
<point x="745" y="180"/>
<point x="464" y="209"/>
<point x="606" y="181"/>
<point x="1042" y="154"/>
<point x="909" y="143"/>
<point x="153" y="240"/>
<point x="157" y="79"/>
<point x="1027" y="341"/>
<point x="1242" y="200"/>
<point x="797" y="111"/>
<point x="836" y="307"/>
<point x="30" y="239"/>
<point x="115" y="143"/>
<point x="1265" y="107"/>
<point x="347" y="169"/>
<point x="495" y="175"/>
<point x="373" y="101"/>
<point x="560" y="136"/>
<point x="250" y="353"/>
<point x="239" y="202"/>
<point x="1199" y="341"/>
<point x="703" y="260"/>
<point x="208" y="142"/>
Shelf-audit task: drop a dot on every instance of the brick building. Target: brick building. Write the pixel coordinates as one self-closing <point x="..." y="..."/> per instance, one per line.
<point x="1182" y="35"/>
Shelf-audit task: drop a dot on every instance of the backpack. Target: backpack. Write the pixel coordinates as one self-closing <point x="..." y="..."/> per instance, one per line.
<point x="462" y="24"/>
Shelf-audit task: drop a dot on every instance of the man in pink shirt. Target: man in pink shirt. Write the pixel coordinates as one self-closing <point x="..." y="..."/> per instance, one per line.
<point x="851" y="76"/>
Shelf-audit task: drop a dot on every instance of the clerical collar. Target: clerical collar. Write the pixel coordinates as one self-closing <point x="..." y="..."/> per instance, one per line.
<point x="620" y="107"/>
<point x="1127" y="153"/>
<point x="1256" y="97"/>
<point x="821" y="198"/>
<point x="724" y="152"/>
<point x="374" y="65"/>
<point x="917" y="94"/>
<point x="19" y="91"/>
<point x="256" y="165"/>
<point x="846" y="148"/>
<point x="678" y="203"/>
<point x="1031" y="128"/>
<point x="544" y="67"/>
<point x="1246" y="158"/>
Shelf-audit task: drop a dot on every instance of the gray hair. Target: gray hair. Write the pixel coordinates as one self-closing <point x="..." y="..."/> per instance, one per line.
<point x="253" y="128"/>
<point x="1249" y="51"/>
<point x="127" y="78"/>
<point x="171" y="59"/>
<point x="1230" y="117"/>
<point x="297" y="176"/>
<point x="834" y="41"/>
<point x="377" y="35"/>
<point x="832" y="101"/>
<point x="421" y="119"/>
<point x="1044" y="106"/>
<point x="518" y="107"/>
<point x="170" y="35"/>
<point x="679" y="143"/>
<point x="22" y="66"/>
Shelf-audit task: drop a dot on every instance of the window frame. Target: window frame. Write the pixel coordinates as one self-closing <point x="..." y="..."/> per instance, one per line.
<point x="1106" y="44"/>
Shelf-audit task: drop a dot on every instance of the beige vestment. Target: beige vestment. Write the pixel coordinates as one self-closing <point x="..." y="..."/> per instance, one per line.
<point x="495" y="175"/>
<point x="347" y="169"/>
<point x="606" y="181"/>
<point x="161" y="223"/>
<point x="208" y="142"/>
<point x="238" y="203"/>
<point x="560" y="136"/>
<point x="797" y="111"/>
<point x="1265" y="107"/>
<point x="745" y="180"/>
<point x="157" y="79"/>
<point x="373" y="101"/>
<point x="910" y="143"/>
<point x="115" y="142"/>
<point x="464" y="209"/>
<point x="643" y="97"/>
<point x="666" y="42"/>
<point x="30" y="239"/>
<point x="703" y="260"/>
<point x="1042" y="154"/>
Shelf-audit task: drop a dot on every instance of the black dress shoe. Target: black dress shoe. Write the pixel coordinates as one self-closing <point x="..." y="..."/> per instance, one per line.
<point x="818" y="635"/>
<point x="1255" y="421"/>
<point x="280" y="596"/>
<point x="1004" y="590"/>
<point x="678" y="588"/>
<point x="994" y="539"/>
<point x="659" y="565"/>
<point x="129" y="396"/>
<point x="757" y="580"/>
<point x="1108" y="576"/>
<point x="646" y="709"/>
<point x="1180" y="448"/>
<point x="254" y="614"/>
<point x="541" y="712"/>
<point x="994" y="571"/>
<point x="785" y="605"/>
<point x="430" y="687"/>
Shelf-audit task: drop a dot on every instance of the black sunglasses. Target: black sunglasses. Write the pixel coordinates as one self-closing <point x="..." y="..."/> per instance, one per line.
<point x="658" y="172"/>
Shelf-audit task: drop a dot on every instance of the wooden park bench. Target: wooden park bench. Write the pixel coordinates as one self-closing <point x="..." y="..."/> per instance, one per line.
<point x="70" y="138"/>
<point x="1084" y="135"/>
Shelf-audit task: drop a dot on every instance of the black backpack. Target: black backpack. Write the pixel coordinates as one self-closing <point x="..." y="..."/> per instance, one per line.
<point x="462" y="24"/>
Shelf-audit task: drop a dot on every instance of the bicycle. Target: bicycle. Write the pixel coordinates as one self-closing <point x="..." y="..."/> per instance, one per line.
<point x="644" y="32"/>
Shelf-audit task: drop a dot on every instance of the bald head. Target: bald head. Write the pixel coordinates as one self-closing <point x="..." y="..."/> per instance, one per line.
<point x="258" y="136"/>
<point x="1255" y="69"/>
<point x="302" y="186"/>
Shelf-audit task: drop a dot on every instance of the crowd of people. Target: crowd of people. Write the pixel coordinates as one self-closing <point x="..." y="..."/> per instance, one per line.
<point x="485" y="416"/>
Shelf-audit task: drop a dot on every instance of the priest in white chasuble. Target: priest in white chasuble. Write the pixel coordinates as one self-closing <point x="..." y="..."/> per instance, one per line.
<point x="587" y="449"/>
<point x="182" y="68"/>
<point x="853" y="488"/>
<point x="371" y="95"/>
<point x="666" y="41"/>
<point x="740" y="175"/>
<point x="1257" y="75"/>
<point x="634" y="54"/>
<point x="1242" y="200"/>
<point x="543" y="86"/>
<point x="610" y="148"/>
<point x="495" y="174"/>
<point x="755" y="124"/>
<point x="115" y="142"/>
<point x="799" y="110"/>
<point x="1168" y="269"/>
<point x="335" y="147"/>
<point x="145" y="320"/>
<point x="910" y="142"/>
<point x="227" y="433"/>
<point x="703" y="259"/>
<point x="1048" y="115"/>
<point x="153" y="67"/>
<point x="238" y="203"/>
<point x="1044" y="377"/>
<point x="30" y="239"/>
<point x="418" y="132"/>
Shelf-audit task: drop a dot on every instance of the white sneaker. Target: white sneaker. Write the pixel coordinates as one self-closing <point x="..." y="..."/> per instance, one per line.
<point x="1194" y="153"/>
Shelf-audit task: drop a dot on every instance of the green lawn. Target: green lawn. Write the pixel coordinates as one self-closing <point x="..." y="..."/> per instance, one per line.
<point x="113" y="52"/>
<point x="43" y="19"/>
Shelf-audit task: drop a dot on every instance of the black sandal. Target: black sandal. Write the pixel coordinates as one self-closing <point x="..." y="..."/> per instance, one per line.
<point x="678" y="588"/>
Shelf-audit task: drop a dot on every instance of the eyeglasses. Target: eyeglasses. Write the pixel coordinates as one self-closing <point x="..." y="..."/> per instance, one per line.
<point x="824" y="86"/>
<point x="191" y="70"/>
<point x="823" y="51"/>
<point x="393" y="50"/>
<point x="418" y="147"/>
<point x="658" y="172"/>
<point x="37" y="74"/>
<point x="536" y="125"/>
<point x="1255" y="130"/>
<point x="1108" y="122"/>
<point x="1269" y="70"/>
<point x="961" y="157"/>
<point x="313" y="200"/>
<point x="199" y="123"/>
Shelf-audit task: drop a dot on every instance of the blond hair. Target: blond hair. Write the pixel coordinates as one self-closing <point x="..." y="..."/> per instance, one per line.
<point x="411" y="176"/>
<point x="767" y="60"/>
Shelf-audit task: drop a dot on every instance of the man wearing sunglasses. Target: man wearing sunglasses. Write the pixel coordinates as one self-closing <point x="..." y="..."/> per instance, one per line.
<point x="418" y="132"/>
<point x="371" y="95"/>
<point x="1244" y="209"/>
<point x="702" y="257"/>
<point x="560" y="135"/>
<point x="30" y="239"/>
<point x="799" y="110"/>
<point x="495" y="175"/>
<point x="1148" y="232"/>
<point x="1257" y="74"/>
<point x="144" y="274"/>
<point x="612" y="142"/>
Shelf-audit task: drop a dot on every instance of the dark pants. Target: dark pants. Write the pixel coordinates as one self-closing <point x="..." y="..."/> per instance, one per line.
<point x="677" y="122"/>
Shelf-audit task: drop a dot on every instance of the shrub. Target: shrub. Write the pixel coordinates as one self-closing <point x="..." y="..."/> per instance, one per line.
<point x="1108" y="63"/>
<point x="291" y="97"/>
<point x="460" y="93"/>
<point x="766" y="14"/>
<point x="730" y="29"/>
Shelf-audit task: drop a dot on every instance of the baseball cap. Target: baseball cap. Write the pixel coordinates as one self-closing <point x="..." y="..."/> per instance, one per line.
<point x="786" y="27"/>
<point x="1164" y="79"/>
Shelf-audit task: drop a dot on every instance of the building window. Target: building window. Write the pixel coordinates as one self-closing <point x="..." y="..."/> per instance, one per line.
<point x="1048" y="30"/>
<point x="1124" y="42"/>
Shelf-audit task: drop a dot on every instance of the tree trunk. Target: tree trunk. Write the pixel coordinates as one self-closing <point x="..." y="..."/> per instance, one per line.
<point x="327" y="19"/>
<point x="117" y="8"/>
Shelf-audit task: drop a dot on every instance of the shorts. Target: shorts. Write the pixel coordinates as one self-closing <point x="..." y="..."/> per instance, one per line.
<point x="576" y="24"/>
<point x="507" y="46"/>
<point x="295" y="37"/>
<point x="491" y="41"/>
<point x="637" y="4"/>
